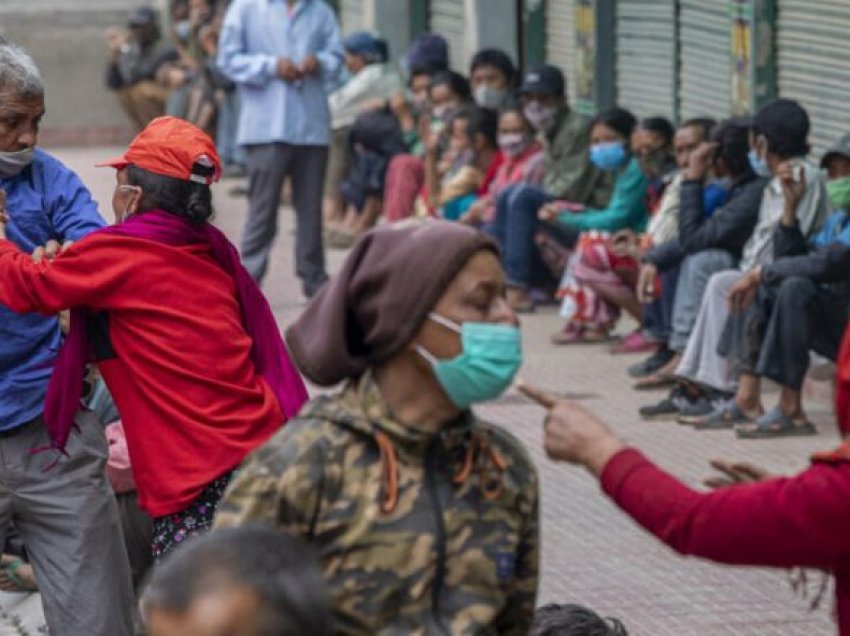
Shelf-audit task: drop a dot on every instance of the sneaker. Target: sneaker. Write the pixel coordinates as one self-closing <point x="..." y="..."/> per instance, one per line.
<point x="652" y="364"/>
<point x="701" y="407"/>
<point x="670" y="407"/>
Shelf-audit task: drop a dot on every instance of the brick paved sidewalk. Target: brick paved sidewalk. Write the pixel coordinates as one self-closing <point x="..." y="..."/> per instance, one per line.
<point x="592" y="553"/>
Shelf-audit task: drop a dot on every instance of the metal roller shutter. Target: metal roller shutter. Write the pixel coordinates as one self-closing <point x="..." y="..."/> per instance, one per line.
<point x="705" y="77"/>
<point x="447" y="19"/>
<point x="813" y="66"/>
<point x="560" y="39"/>
<point x="646" y="56"/>
<point x="352" y="14"/>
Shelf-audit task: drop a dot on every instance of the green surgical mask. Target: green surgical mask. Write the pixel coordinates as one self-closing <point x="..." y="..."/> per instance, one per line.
<point x="491" y="357"/>
<point x="838" y="191"/>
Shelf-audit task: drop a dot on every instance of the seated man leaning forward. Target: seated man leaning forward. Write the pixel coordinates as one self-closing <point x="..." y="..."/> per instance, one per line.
<point x="424" y="517"/>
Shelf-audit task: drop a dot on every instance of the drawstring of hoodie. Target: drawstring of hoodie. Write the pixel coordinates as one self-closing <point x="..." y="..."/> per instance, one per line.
<point x="479" y="455"/>
<point x="389" y="470"/>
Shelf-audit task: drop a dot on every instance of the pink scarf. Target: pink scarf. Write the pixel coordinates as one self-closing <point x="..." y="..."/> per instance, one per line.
<point x="268" y="352"/>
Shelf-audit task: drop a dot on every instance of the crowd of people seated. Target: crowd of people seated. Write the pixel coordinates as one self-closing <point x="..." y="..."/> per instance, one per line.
<point x="723" y="241"/>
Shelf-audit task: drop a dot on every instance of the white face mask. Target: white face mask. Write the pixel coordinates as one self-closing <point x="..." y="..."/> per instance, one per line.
<point x="13" y="163"/>
<point x="488" y="97"/>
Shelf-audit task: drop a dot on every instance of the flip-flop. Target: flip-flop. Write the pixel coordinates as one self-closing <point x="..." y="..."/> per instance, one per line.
<point x="11" y="569"/>
<point x="727" y="416"/>
<point x="773" y="424"/>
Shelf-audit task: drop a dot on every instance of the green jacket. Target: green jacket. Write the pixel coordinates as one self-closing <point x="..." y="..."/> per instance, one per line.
<point x="417" y="534"/>
<point x="626" y="209"/>
<point x="569" y="173"/>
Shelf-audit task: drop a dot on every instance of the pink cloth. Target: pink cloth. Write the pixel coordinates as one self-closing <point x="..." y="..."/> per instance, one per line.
<point x="404" y="181"/>
<point x="118" y="468"/>
<point x="527" y="169"/>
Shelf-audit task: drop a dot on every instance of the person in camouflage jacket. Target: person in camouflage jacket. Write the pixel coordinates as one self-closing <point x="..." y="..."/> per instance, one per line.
<point x="421" y="529"/>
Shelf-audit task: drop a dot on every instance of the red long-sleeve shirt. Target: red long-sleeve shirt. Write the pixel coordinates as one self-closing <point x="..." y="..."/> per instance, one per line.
<point x="784" y="522"/>
<point x="180" y="368"/>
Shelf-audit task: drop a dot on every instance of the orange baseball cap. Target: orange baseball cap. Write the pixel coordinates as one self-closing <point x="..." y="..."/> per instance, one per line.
<point x="172" y="147"/>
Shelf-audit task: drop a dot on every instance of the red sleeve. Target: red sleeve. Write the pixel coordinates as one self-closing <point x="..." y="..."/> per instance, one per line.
<point x="492" y="169"/>
<point x="784" y="522"/>
<point x="87" y="274"/>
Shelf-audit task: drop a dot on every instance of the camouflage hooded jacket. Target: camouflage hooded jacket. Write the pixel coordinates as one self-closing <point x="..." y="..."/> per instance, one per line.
<point x="416" y="534"/>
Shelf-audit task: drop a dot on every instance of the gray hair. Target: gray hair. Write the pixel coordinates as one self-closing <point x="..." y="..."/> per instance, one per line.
<point x="19" y="72"/>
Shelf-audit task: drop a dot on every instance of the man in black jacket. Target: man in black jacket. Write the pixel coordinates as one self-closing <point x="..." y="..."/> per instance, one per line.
<point x="797" y="303"/>
<point x="704" y="245"/>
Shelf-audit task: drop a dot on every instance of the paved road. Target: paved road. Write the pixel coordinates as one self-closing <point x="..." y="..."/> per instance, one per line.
<point x="592" y="553"/>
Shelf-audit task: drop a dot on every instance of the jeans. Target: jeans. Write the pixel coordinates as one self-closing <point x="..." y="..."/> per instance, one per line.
<point x="694" y="274"/>
<point x="658" y="315"/>
<point x="514" y="227"/>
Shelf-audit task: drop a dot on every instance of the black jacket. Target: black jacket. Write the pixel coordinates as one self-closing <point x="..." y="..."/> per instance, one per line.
<point x="794" y="256"/>
<point x="729" y="228"/>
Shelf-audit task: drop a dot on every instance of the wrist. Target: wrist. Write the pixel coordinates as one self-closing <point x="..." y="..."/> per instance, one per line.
<point x="600" y="452"/>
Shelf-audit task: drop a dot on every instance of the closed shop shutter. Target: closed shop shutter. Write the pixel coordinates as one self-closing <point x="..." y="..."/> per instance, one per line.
<point x="560" y="39"/>
<point x="352" y="14"/>
<point x="447" y="19"/>
<point x="705" y="77"/>
<point x="813" y="66"/>
<point x="646" y="56"/>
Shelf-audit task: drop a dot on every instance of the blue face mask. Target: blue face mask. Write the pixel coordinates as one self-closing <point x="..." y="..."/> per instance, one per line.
<point x="608" y="156"/>
<point x="758" y="164"/>
<point x="491" y="357"/>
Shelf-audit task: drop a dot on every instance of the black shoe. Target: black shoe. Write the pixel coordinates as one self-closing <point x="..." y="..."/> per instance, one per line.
<point x="670" y="407"/>
<point x="652" y="364"/>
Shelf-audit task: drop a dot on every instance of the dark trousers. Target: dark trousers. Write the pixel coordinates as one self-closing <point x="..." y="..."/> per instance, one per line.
<point x="658" y="315"/>
<point x="772" y="339"/>
<point x="514" y="228"/>
<point x="268" y="166"/>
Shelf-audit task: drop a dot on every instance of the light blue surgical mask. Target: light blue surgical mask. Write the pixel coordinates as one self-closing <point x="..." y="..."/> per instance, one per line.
<point x="491" y="357"/>
<point x="183" y="29"/>
<point x="758" y="164"/>
<point x="608" y="156"/>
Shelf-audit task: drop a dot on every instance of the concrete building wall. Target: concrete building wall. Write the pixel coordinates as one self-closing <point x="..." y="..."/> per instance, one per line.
<point x="66" y="38"/>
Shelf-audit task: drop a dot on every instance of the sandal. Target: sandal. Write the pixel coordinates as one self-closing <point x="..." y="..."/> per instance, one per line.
<point x="775" y="423"/>
<point x="16" y="583"/>
<point x="653" y="382"/>
<point x="727" y="416"/>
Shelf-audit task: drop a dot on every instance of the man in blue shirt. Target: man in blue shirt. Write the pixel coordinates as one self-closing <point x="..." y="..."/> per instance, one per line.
<point x="279" y="53"/>
<point x="62" y="506"/>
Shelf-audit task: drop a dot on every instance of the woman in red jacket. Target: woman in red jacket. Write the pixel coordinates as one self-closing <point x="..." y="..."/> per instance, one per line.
<point x="182" y="335"/>
<point x="800" y="521"/>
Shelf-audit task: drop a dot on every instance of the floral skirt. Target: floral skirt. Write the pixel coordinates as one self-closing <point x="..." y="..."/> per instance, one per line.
<point x="172" y="530"/>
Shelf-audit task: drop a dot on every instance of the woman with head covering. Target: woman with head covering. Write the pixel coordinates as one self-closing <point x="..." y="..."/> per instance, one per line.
<point x="183" y="337"/>
<point x="425" y="517"/>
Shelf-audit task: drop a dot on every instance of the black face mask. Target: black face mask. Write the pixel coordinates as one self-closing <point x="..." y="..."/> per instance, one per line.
<point x="654" y="162"/>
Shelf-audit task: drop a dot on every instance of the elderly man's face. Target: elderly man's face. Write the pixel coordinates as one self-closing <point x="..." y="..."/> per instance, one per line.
<point x="477" y="294"/>
<point x="20" y="118"/>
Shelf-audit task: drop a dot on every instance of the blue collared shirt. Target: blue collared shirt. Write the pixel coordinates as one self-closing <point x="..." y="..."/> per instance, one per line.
<point x="45" y="202"/>
<point x="255" y="35"/>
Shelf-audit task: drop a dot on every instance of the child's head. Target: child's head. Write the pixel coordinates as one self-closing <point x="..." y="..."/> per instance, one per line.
<point x="515" y="131"/>
<point x="573" y="620"/>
